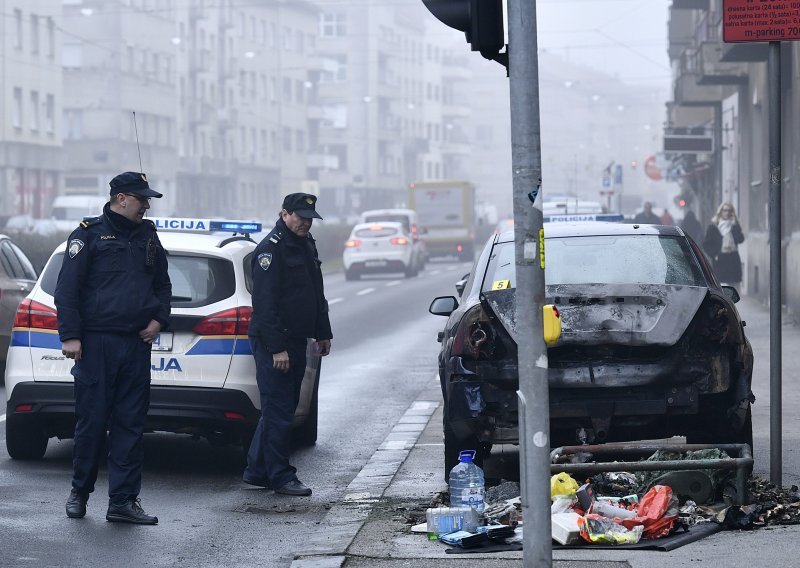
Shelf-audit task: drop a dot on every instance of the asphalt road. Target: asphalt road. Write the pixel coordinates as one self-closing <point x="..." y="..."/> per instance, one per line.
<point x="384" y="353"/>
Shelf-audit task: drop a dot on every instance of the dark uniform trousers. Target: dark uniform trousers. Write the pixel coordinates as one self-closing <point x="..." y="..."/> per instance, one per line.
<point x="113" y="373"/>
<point x="268" y="456"/>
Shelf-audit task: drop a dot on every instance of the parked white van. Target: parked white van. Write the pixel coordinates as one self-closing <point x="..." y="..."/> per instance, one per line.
<point x="69" y="210"/>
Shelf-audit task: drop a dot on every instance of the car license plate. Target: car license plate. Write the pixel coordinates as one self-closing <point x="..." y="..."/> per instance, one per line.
<point x="163" y="342"/>
<point x="375" y="263"/>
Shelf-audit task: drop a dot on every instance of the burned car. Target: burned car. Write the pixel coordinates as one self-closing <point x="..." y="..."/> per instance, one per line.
<point x="651" y="345"/>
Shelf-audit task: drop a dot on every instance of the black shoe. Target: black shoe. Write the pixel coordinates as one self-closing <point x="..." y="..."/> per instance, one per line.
<point x="76" y="504"/>
<point x="257" y="481"/>
<point x="294" y="487"/>
<point x="130" y="512"/>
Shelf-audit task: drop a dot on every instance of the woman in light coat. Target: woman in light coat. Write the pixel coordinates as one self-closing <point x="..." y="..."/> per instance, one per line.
<point x="721" y="242"/>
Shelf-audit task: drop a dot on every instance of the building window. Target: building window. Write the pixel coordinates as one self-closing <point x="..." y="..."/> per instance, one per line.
<point x="17" y="118"/>
<point x="73" y="120"/>
<point x="332" y="25"/>
<point x="51" y="38"/>
<point x="287" y="38"/>
<point x="287" y="139"/>
<point x="18" y="29"/>
<point x="300" y="141"/>
<point x="34" y="111"/>
<point x="50" y="115"/>
<point x="34" y="34"/>
<point x="287" y="89"/>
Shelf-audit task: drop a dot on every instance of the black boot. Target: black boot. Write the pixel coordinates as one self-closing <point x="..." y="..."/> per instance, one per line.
<point x="76" y="504"/>
<point x="130" y="512"/>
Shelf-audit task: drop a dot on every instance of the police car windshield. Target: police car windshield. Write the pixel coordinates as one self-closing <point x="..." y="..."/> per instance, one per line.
<point x="196" y="280"/>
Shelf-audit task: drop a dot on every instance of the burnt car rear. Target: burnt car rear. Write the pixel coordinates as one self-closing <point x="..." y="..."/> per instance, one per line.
<point x="651" y="345"/>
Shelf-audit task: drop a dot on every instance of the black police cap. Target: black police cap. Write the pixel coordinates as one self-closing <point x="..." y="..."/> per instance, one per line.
<point x="303" y="204"/>
<point x="132" y="182"/>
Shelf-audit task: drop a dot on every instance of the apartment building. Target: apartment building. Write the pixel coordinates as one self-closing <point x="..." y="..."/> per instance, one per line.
<point x="721" y="89"/>
<point x="30" y="106"/>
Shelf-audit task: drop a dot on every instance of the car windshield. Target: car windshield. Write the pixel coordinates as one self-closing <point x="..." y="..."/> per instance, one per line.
<point x="196" y="280"/>
<point x="617" y="259"/>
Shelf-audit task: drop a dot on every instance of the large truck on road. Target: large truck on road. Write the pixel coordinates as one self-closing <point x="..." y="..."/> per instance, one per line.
<point x="446" y="216"/>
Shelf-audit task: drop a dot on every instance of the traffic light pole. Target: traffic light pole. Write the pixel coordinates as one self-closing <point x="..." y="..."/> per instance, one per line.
<point x="534" y="403"/>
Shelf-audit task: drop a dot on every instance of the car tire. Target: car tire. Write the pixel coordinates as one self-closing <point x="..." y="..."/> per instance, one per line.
<point x="26" y="441"/>
<point x="351" y="275"/>
<point x="714" y="427"/>
<point x="411" y="271"/>
<point x="454" y="445"/>
<point x="306" y="434"/>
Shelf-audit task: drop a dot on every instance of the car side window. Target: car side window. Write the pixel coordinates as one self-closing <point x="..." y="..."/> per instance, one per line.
<point x="247" y="263"/>
<point x="11" y="263"/>
<point x="28" y="272"/>
<point x="6" y="265"/>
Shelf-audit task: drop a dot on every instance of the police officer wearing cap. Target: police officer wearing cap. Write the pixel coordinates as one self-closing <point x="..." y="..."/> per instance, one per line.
<point x="113" y="298"/>
<point x="288" y="306"/>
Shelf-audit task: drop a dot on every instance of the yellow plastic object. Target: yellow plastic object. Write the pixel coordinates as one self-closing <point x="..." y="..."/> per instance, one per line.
<point x="551" y="323"/>
<point x="562" y="484"/>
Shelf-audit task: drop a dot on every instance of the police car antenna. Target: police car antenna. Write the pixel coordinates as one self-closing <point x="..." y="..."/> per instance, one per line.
<point x="136" y="130"/>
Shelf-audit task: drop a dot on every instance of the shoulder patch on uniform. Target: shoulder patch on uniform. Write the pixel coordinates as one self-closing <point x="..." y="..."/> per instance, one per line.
<point x="86" y="223"/>
<point x="264" y="260"/>
<point x="274" y="238"/>
<point x="75" y="246"/>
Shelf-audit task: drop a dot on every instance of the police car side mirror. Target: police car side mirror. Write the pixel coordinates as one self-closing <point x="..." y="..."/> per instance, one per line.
<point x="443" y="306"/>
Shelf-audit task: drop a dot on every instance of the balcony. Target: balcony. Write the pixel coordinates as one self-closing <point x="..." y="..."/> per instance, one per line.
<point x="713" y="71"/>
<point x="323" y="161"/>
<point x="744" y="52"/>
<point x="688" y="89"/>
<point x="455" y="110"/>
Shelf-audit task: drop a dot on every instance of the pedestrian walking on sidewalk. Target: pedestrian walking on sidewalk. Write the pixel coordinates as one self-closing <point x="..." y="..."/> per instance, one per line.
<point x="113" y="298"/>
<point x="289" y="307"/>
<point x="723" y="236"/>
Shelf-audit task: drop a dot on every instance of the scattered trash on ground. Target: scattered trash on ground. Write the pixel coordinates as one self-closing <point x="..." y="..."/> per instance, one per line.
<point x="617" y="509"/>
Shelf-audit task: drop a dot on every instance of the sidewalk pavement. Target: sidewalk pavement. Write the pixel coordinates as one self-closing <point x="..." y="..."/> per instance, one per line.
<point x="378" y="534"/>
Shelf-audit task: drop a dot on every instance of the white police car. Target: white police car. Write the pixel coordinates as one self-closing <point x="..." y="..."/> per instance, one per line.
<point x="379" y="247"/>
<point x="203" y="372"/>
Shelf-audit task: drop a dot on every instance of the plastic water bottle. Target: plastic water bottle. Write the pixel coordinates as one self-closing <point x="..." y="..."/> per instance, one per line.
<point x="466" y="483"/>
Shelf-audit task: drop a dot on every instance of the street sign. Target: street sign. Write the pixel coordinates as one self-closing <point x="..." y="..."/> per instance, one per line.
<point x="688" y="144"/>
<point x="651" y="169"/>
<point x="760" y="20"/>
<point x="618" y="174"/>
<point x="606" y="180"/>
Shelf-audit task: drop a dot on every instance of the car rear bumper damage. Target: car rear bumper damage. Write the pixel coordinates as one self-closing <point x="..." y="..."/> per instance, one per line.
<point x="208" y="412"/>
<point x="601" y="403"/>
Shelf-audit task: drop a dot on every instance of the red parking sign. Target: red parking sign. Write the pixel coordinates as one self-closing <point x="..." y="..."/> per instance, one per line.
<point x="760" y="20"/>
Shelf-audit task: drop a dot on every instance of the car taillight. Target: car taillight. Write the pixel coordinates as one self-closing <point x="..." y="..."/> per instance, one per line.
<point x="32" y="314"/>
<point x="235" y="321"/>
<point x="352" y="243"/>
<point x="460" y="248"/>
<point x="399" y="241"/>
<point x="474" y="338"/>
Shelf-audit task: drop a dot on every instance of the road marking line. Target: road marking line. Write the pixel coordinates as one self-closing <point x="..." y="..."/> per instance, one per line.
<point x="365" y="291"/>
<point x="452" y="267"/>
<point x="393" y="283"/>
<point x="335" y="301"/>
<point x="435" y="272"/>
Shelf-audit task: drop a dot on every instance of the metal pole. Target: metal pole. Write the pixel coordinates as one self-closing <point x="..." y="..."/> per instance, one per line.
<point x="775" y="278"/>
<point x="526" y="160"/>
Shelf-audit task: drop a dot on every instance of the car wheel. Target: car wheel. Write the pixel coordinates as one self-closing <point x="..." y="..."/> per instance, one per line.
<point x="306" y="433"/>
<point x="454" y="445"/>
<point x="411" y="271"/>
<point x="26" y="441"/>
<point x="350" y="275"/>
<point x="715" y="427"/>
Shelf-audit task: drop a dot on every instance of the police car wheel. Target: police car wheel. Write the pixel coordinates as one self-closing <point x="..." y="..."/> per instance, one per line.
<point x="351" y="275"/>
<point x="26" y="441"/>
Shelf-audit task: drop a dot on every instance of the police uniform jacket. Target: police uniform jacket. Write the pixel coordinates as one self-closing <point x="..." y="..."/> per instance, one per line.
<point x="113" y="278"/>
<point x="288" y="297"/>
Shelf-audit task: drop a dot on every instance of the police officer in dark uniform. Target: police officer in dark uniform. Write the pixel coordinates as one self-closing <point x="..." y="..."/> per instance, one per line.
<point x="288" y="306"/>
<point x="113" y="298"/>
